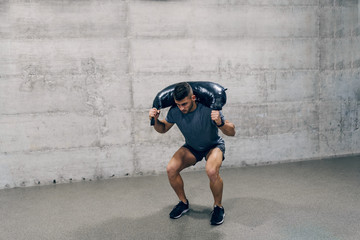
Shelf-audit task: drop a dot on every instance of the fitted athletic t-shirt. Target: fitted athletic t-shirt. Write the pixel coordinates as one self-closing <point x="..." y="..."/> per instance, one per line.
<point x="200" y="132"/>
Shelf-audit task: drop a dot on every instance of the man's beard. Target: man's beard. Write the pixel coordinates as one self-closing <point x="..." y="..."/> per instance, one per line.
<point x="190" y="108"/>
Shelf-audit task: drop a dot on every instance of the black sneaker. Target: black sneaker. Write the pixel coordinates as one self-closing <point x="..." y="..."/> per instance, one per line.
<point x="217" y="216"/>
<point x="179" y="210"/>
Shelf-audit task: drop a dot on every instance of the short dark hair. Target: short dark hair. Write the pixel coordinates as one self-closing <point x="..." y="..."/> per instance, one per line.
<point x="182" y="90"/>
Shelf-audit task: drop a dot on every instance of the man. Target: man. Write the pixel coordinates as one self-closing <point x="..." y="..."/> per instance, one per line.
<point x="199" y="125"/>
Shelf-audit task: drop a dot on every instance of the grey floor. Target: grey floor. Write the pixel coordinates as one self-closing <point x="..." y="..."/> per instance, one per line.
<point x="305" y="200"/>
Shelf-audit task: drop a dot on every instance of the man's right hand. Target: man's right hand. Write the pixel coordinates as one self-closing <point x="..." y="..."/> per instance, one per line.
<point x="154" y="113"/>
<point x="160" y="126"/>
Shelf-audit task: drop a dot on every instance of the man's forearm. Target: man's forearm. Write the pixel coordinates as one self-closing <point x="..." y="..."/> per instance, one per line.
<point x="228" y="128"/>
<point x="159" y="126"/>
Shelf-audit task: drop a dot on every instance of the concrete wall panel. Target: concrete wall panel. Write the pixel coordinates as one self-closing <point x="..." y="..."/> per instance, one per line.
<point x="63" y="166"/>
<point x="292" y="86"/>
<point x="228" y="3"/>
<point x="327" y="54"/>
<point x="333" y="87"/>
<point x="327" y="22"/>
<point x="205" y="55"/>
<point x="271" y="149"/>
<point x="356" y="50"/>
<point x="39" y="132"/>
<point x="339" y="128"/>
<point x="58" y="20"/>
<point x="254" y="120"/>
<point x="253" y="21"/>
<point x="171" y="20"/>
<point x="77" y="79"/>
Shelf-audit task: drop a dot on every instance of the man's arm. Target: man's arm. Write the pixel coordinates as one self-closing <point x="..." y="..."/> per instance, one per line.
<point x="161" y="126"/>
<point x="228" y="128"/>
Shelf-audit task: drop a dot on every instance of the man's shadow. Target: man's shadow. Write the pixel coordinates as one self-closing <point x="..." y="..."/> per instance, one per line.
<point x="195" y="224"/>
<point x="199" y="212"/>
<point x="246" y="211"/>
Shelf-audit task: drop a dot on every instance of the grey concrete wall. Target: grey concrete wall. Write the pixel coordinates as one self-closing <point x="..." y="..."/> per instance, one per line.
<point x="77" y="79"/>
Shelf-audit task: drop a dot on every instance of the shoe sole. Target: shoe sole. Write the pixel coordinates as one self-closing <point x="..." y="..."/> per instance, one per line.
<point x="219" y="223"/>
<point x="183" y="212"/>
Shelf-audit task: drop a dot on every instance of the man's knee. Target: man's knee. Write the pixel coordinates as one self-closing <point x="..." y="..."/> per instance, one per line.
<point x="213" y="173"/>
<point x="213" y="164"/>
<point x="171" y="169"/>
<point x="175" y="165"/>
<point x="183" y="158"/>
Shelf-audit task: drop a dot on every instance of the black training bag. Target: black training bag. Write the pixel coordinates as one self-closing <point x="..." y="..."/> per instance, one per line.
<point x="210" y="94"/>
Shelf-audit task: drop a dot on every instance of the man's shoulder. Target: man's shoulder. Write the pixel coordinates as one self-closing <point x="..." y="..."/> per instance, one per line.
<point x="173" y="109"/>
<point x="203" y="107"/>
<point x="172" y="115"/>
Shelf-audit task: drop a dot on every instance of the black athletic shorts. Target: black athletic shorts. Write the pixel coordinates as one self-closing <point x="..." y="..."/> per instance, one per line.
<point x="199" y="155"/>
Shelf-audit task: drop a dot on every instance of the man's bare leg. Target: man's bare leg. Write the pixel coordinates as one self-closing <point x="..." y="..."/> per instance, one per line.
<point x="213" y="164"/>
<point x="182" y="159"/>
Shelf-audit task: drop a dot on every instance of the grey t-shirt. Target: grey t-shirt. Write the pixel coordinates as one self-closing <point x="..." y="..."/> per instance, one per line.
<point x="200" y="132"/>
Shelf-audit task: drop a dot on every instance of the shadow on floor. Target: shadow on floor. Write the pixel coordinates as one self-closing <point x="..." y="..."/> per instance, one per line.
<point x="195" y="224"/>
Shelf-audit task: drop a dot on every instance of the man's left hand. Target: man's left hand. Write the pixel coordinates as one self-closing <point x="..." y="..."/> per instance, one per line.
<point x="215" y="116"/>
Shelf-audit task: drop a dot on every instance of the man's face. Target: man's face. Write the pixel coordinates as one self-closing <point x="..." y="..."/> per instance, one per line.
<point x="186" y="105"/>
